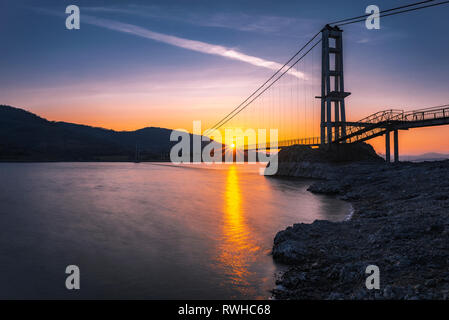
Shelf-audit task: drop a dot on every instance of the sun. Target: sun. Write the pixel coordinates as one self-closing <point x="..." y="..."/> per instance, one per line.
<point x="233" y="145"/>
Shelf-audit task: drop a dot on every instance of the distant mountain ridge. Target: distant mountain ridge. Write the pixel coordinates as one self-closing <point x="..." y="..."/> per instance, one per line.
<point x="429" y="156"/>
<point x="25" y="136"/>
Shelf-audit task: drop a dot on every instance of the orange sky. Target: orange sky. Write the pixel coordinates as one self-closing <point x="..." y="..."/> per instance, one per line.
<point x="417" y="141"/>
<point x="130" y="111"/>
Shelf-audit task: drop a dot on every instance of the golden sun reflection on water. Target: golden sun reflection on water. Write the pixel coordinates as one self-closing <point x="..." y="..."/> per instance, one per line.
<point x="238" y="249"/>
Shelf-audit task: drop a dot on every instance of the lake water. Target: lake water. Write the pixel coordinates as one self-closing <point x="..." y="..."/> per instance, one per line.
<point x="147" y="230"/>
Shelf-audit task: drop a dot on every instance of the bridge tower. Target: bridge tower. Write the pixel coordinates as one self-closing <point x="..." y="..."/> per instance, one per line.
<point x="332" y="85"/>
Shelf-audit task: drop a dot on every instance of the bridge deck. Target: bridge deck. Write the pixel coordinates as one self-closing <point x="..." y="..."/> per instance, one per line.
<point x="376" y="125"/>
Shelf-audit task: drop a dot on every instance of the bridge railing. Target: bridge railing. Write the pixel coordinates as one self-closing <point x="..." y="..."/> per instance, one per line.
<point x="303" y="141"/>
<point x="377" y="123"/>
<point x="369" y="127"/>
<point x="310" y="141"/>
<point x="425" y="114"/>
<point x="383" y="115"/>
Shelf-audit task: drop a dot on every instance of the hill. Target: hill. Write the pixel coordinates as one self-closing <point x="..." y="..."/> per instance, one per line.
<point x="28" y="137"/>
<point x="430" y="156"/>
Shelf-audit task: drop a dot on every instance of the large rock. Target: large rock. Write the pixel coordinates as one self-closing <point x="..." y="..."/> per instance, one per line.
<point x="323" y="163"/>
<point x="335" y="153"/>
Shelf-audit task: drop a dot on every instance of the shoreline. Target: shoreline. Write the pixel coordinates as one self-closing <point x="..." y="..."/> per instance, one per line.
<point x="399" y="222"/>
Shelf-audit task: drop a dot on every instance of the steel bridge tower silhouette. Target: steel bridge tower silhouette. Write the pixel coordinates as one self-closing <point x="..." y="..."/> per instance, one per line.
<point x="332" y="85"/>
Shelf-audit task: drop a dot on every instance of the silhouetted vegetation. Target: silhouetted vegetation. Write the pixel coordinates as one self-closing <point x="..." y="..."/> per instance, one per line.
<point x="28" y="137"/>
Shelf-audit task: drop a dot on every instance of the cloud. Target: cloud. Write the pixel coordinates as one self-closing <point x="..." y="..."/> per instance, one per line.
<point x="188" y="44"/>
<point x="363" y="40"/>
<point x="281" y="26"/>
<point x="184" y="43"/>
<point x="370" y="37"/>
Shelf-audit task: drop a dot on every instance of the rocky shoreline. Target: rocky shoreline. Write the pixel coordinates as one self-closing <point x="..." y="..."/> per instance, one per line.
<point x="400" y="224"/>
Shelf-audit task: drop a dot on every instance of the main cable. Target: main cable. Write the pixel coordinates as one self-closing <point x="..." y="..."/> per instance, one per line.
<point x="218" y="127"/>
<point x="260" y="87"/>
<point x="396" y="12"/>
<point x="383" y="11"/>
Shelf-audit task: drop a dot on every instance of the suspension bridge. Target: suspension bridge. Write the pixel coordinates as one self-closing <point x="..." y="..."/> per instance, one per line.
<point x="305" y="99"/>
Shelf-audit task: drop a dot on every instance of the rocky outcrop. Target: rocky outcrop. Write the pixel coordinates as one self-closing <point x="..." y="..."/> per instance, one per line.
<point x="338" y="153"/>
<point x="400" y="224"/>
<point x="323" y="163"/>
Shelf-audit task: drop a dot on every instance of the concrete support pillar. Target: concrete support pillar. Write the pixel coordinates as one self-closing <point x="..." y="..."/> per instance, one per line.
<point x="387" y="146"/>
<point x="396" y="146"/>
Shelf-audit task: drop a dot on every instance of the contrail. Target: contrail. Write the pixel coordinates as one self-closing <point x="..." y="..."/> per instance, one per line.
<point x="194" y="45"/>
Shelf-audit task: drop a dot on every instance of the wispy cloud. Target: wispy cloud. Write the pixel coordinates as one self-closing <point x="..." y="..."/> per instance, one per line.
<point x="188" y="44"/>
<point x="370" y="37"/>
<point x="282" y="26"/>
<point x="194" y="45"/>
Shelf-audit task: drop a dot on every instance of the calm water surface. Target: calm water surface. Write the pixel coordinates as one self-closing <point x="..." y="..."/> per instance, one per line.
<point x="147" y="230"/>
